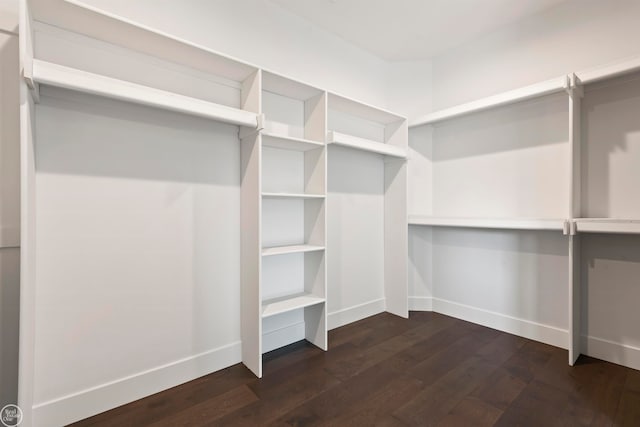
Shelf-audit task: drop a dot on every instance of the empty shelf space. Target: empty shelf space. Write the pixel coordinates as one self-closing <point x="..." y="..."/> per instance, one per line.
<point x="289" y="303"/>
<point x="292" y="196"/>
<point x="366" y="145"/>
<point x="608" y="225"/>
<point x="47" y="73"/>
<point x="517" y="95"/>
<point x="282" y="250"/>
<point x="289" y="143"/>
<point x="494" y="223"/>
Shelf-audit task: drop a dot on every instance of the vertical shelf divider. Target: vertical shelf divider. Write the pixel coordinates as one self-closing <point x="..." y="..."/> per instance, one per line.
<point x="251" y="240"/>
<point x="575" y="91"/>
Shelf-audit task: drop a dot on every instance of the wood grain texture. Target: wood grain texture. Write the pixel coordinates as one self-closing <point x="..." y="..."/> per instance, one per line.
<point x="428" y="370"/>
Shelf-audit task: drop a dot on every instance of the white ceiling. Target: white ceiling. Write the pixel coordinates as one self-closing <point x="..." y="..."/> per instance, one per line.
<point x="398" y="30"/>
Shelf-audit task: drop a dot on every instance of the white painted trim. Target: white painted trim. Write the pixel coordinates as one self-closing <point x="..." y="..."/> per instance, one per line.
<point x="502" y="322"/>
<point x="282" y="336"/>
<point x="9" y="237"/>
<point x="355" y="313"/>
<point x="420" y="303"/>
<point x="614" y="352"/>
<point x="85" y="403"/>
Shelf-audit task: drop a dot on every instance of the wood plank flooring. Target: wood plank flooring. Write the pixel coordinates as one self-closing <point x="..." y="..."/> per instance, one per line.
<point x="429" y="370"/>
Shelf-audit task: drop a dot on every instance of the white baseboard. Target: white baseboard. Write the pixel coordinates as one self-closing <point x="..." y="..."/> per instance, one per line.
<point x="355" y="313"/>
<point x="282" y="336"/>
<point x="420" y="304"/>
<point x="502" y="322"/>
<point x="83" y="404"/>
<point x="614" y="352"/>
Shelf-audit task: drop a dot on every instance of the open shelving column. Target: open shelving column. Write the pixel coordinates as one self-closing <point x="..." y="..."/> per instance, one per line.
<point x="606" y="215"/>
<point x="368" y="129"/>
<point x="230" y="96"/>
<point x="477" y="183"/>
<point x="284" y="219"/>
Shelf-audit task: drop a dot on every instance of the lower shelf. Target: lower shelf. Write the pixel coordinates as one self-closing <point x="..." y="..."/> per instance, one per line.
<point x="289" y="303"/>
<point x="494" y="223"/>
<point x="608" y="225"/>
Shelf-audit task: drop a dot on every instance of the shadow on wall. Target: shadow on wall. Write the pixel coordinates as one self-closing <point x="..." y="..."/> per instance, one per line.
<point x="610" y="135"/>
<point x="610" y="272"/>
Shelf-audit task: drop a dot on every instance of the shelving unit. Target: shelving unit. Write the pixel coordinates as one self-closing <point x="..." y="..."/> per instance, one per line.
<point x="607" y="216"/>
<point x="371" y="132"/>
<point x="284" y="198"/>
<point x="490" y="201"/>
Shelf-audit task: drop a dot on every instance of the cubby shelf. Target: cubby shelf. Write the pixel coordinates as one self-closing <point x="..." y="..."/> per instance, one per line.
<point x="608" y="225"/>
<point x="51" y="74"/>
<point x="292" y="249"/>
<point x="292" y="196"/>
<point x="345" y="140"/>
<point x="289" y="143"/>
<point x="493" y="223"/>
<point x="281" y="305"/>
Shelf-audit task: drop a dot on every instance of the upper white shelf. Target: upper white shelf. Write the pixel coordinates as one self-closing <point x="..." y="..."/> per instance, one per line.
<point x="609" y="71"/>
<point x="80" y="17"/>
<point x="338" y="138"/>
<point x="493" y="223"/>
<point x="607" y="225"/>
<point x="289" y="303"/>
<point x="521" y="94"/>
<point x="284" y="86"/>
<point x="362" y="110"/>
<point x="47" y="73"/>
<point x="289" y="143"/>
<point x="293" y="249"/>
<point x="292" y="196"/>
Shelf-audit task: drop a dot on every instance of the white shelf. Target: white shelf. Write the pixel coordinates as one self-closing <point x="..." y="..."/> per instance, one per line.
<point x="292" y="196"/>
<point x="608" y="225"/>
<point x="493" y="223"/>
<point x="344" y="140"/>
<point x="362" y="110"/>
<point x="293" y="249"/>
<point x="69" y="78"/>
<point x="609" y="71"/>
<point x="293" y="302"/>
<point x="289" y="143"/>
<point x="517" y="95"/>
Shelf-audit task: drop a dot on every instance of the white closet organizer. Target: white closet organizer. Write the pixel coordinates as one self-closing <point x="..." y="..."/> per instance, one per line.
<point x="489" y="200"/>
<point x="367" y="129"/>
<point x="284" y="220"/>
<point x="607" y="218"/>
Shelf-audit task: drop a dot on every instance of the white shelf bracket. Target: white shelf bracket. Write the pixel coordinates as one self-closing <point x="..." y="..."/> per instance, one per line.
<point x="573" y="86"/>
<point x="245" y="132"/>
<point x="570" y="228"/>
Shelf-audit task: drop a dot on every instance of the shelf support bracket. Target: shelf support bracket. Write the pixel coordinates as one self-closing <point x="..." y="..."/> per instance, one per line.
<point x="569" y="228"/>
<point x="573" y="86"/>
<point x="245" y="132"/>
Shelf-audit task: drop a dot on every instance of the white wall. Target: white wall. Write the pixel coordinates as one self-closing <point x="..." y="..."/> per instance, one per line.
<point x="575" y="35"/>
<point x="9" y="204"/>
<point x="267" y="36"/>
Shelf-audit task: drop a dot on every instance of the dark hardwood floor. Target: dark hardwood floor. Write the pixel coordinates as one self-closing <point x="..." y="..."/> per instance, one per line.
<point x="430" y="370"/>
